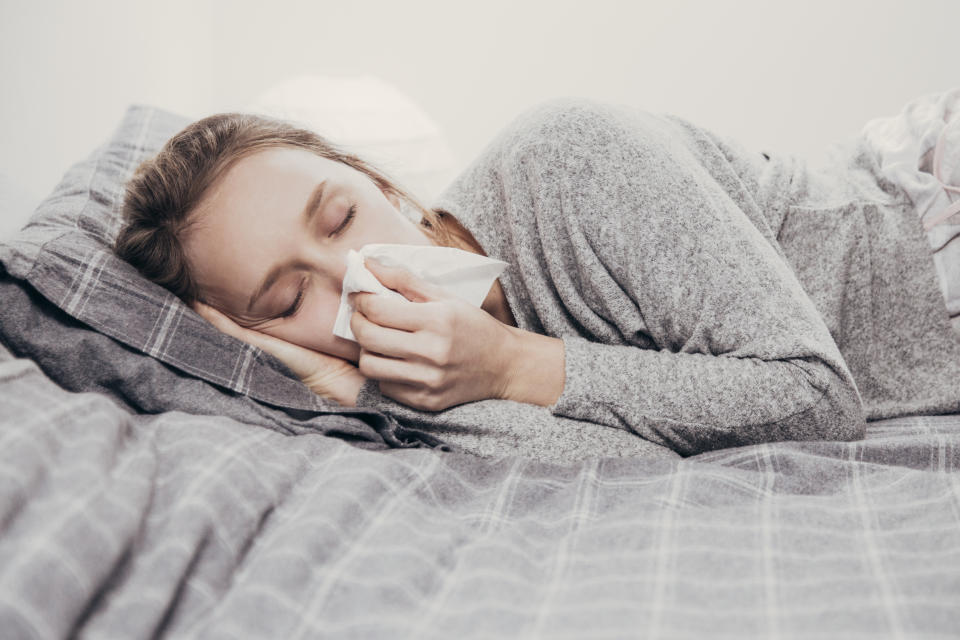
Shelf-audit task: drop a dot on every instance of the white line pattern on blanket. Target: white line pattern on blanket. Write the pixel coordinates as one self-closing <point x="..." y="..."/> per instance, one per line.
<point x="191" y="526"/>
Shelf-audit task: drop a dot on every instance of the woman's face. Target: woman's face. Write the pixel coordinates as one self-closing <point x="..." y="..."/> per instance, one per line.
<point x="270" y="242"/>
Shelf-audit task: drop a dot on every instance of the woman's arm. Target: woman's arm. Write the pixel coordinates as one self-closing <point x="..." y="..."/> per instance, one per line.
<point x="625" y="229"/>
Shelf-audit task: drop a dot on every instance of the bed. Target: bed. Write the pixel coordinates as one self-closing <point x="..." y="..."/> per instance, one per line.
<point x="155" y="486"/>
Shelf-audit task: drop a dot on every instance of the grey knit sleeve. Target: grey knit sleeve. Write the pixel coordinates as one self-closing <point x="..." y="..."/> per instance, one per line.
<point x="502" y="428"/>
<point x="636" y="222"/>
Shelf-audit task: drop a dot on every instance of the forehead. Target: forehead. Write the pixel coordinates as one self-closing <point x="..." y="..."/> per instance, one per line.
<point x="250" y="217"/>
<point x="279" y="163"/>
<point x="271" y="180"/>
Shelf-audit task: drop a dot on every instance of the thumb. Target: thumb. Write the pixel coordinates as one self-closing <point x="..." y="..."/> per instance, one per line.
<point x="219" y="320"/>
<point x="405" y="282"/>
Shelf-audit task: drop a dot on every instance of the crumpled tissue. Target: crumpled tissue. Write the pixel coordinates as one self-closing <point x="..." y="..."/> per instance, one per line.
<point x="464" y="274"/>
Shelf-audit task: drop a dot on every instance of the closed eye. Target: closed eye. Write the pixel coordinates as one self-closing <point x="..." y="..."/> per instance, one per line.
<point x="294" y="307"/>
<point x="297" y="302"/>
<point x="351" y="213"/>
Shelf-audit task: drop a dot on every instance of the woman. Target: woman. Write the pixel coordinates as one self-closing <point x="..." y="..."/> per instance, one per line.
<point x="662" y="280"/>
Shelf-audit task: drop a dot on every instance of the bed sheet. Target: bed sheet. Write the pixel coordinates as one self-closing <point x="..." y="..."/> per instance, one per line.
<point x="116" y="524"/>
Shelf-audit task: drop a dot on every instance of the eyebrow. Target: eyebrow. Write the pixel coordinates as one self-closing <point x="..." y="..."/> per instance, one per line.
<point x="309" y="213"/>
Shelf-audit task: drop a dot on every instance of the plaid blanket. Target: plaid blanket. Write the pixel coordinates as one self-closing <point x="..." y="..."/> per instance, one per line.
<point x="117" y="525"/>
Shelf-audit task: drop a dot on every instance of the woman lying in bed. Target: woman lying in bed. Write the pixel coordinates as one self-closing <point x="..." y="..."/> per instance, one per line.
<point x="663" y="280"/>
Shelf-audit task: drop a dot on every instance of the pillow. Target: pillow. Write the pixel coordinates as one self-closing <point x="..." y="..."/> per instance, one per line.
<point x="371" y="118"/>
<point x="65" y="253"/>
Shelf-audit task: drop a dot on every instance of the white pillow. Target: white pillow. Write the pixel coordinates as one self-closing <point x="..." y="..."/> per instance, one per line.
<point x="370" y="118"/>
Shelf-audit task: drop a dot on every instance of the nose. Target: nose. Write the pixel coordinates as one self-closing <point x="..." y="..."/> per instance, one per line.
<point x="329" y="263"/>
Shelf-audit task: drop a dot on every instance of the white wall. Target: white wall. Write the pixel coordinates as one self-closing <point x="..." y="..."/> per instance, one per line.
<point x="784" y="76"/>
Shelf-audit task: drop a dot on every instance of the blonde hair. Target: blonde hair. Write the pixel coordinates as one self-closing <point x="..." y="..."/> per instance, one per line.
<point x="164" y="191"/>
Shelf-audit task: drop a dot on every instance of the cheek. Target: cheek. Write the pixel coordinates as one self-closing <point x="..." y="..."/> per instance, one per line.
<point x="312" y="327"/>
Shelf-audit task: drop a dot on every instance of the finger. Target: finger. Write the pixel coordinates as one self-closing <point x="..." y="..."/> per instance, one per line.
<point x="393" y="342"/>
<point x="224" y="324"/>
<point x="396" y="313"/>
<point x="218" y="319"/>
<point x="404" y="282"/>
<point x="302" y="361"/>
<point x="373" y="337"/>
<point x="386" y="369"/>
<point x="415" y="396"/>
<point x="280" y="349"/>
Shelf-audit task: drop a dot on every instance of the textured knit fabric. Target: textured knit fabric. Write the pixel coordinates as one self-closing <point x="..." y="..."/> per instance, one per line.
<point x="707" y="297"/>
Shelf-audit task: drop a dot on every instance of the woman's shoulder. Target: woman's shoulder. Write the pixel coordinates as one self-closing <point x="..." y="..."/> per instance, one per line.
<point x="564" y="119"/>
<point x="572" y="132"/>
<point x="533" y="137"/>
<point x="561" y="111"/>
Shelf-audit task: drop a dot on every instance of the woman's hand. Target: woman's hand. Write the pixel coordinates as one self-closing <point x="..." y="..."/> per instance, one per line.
<point x="327" y="376"/>
<point x="432" y="350"/>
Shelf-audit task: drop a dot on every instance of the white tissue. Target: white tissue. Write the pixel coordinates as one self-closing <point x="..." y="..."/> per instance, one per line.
<point x="464" y="274"/>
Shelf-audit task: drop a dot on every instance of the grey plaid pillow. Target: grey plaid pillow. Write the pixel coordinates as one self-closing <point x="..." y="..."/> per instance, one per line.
<point x="65" y="253"/>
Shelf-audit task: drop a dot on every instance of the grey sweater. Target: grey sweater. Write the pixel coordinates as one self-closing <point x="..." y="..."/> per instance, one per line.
<point x="707" y="297"/>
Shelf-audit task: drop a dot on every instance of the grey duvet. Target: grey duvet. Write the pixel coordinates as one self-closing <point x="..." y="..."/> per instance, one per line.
<point x="121" y="525"/>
